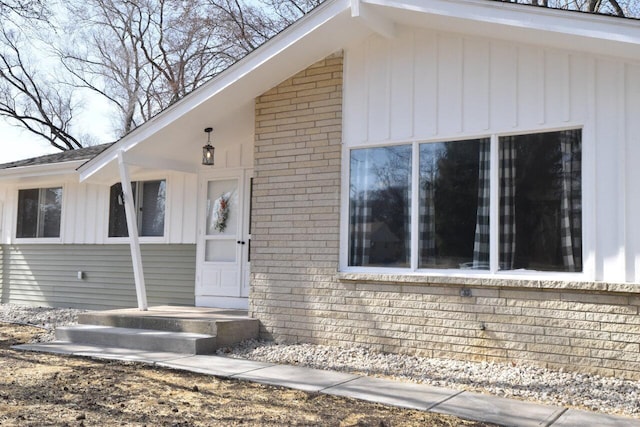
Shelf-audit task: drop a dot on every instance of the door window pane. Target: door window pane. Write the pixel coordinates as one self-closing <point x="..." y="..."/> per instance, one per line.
<point x="540" y="202"/>
<point x="222" y="207"/>
<point x="379" y="207"/>
<point x="220" y="251"/>
<point x="454" y="206"/>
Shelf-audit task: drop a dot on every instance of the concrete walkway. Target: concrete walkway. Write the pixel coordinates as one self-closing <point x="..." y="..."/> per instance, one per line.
<point x="467" y="405"/>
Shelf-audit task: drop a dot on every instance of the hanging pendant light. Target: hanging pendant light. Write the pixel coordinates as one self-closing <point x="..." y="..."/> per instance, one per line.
<point x="208" y="150"/>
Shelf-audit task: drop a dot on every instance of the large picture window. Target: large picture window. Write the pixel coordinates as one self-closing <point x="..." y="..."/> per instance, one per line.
<point x="39" y="212"/>
<point x="539" y="208"/>
<point x="149" y="200"/>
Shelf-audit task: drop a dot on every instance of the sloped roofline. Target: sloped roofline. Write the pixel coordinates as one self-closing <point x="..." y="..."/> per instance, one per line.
<point x="551" y="22"/>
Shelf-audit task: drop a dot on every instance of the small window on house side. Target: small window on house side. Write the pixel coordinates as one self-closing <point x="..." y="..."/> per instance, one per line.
<point x="149" y="200"/>
<point x="39" y="213"/>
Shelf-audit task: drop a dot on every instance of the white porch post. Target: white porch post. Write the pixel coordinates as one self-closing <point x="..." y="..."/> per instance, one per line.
<point x="132" y="226"/>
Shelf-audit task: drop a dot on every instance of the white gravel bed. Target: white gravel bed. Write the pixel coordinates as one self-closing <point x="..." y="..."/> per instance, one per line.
<point x="46" y="318"/>
<point x="592" y="392"/>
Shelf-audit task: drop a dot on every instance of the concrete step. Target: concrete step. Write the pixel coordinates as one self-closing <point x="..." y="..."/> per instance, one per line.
<point x="139" y="339"/>
<point x="228" y="326"/>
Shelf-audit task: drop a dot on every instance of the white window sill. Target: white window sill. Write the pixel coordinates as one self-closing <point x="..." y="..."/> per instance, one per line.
<point x="517" y="280"/>
<point x="37" y="240"/>
<point x="142" y="240"/>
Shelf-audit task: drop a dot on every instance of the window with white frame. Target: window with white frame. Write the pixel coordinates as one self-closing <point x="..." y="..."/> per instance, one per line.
<point x="446" y="223"/>
<point x="149" y="201"/>
<point x="39" y="213"/>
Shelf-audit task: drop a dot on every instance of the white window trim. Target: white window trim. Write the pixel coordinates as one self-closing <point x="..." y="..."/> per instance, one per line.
<point x="588" y="269"/>
<point x="142" y="239"/>
<point x="38" y="240"/>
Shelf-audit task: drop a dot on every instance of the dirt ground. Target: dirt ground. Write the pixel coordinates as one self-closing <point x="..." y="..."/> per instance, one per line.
<point x="42" y="389"/>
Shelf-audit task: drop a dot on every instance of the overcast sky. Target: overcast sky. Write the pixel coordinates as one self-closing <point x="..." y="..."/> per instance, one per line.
<point x="16" y="144"/>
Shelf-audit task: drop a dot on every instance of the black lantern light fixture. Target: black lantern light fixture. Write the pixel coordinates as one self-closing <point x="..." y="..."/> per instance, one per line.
<point x="208" y="150"/>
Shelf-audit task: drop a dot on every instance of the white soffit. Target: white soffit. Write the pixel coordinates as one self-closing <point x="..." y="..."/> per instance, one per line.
<point x="573" y="30"/>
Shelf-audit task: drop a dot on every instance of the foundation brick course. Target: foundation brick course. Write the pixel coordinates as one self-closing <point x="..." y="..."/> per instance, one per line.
<point x="299" y="296"/>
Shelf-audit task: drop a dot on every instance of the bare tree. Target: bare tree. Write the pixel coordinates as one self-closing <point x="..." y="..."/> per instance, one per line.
<point x="622" y="8"/>
<point x="31" y="9"/>
<point x="104" y="56"/>
<point x="242" y="27"/>
<point x="144" y="55"/>
<point x="180" y="46"/>
<point x="28" y="97"/>
<point x="288" y="11"/>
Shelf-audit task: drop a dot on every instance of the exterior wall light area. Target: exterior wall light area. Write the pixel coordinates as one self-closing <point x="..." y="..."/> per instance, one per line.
<point x="208" y="150"/>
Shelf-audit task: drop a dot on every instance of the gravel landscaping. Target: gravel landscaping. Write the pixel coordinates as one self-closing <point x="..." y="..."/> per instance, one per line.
<point x="592" y="392"/>
<point x="46" y="318"/>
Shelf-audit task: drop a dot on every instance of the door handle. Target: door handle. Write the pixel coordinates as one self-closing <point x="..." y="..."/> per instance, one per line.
<point x="240" y="242"/>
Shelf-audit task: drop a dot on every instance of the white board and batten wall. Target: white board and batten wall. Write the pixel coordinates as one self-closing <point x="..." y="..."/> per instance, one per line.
<point x="85" y="210"/>
<point x="428" y="86"/>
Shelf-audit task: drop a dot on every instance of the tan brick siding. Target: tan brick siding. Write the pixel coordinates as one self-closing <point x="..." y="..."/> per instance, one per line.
<point x="297" y="296"/>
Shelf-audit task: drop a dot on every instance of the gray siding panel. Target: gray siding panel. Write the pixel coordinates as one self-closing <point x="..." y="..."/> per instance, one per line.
<point x="47" y="275"/>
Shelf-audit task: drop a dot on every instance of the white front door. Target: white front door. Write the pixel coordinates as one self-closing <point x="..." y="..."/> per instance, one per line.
<point x="222" y="274"/>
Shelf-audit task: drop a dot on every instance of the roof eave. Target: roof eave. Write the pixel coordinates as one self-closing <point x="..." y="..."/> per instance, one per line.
<point x="41" y="170"/>
<point x="572" y="24"/>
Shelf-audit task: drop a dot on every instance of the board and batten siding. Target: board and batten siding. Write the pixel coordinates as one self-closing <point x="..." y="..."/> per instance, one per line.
<point x="47" y="275"/>
<point x="429" y="85"/>
<point x="85" y="209"/>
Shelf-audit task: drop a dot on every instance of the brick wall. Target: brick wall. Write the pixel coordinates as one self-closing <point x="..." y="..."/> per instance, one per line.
<point x="296" y="201"/>
<point x="298" y="295"/>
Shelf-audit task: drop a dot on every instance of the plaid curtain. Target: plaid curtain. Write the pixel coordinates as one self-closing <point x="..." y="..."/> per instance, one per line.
<point x="427" y="222"/>
<point x="507" y="237"/>
<point x="360" y="221"/>
<point x="481" y="240"/>
<point x="571" y="201"/>
<point x="360" y="233"/>
<point x="407" y="225"/>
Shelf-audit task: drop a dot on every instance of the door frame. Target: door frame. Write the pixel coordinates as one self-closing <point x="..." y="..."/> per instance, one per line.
<point x="241" y="299"/>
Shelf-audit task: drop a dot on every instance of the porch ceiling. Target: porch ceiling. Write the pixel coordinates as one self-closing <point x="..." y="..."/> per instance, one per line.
<point x="178" y="145"/>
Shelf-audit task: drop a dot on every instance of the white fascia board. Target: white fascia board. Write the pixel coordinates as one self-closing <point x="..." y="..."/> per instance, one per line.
<point x="39" y="171"/>
<point x="573" y="23"/>
<point x="270" y="49"/>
